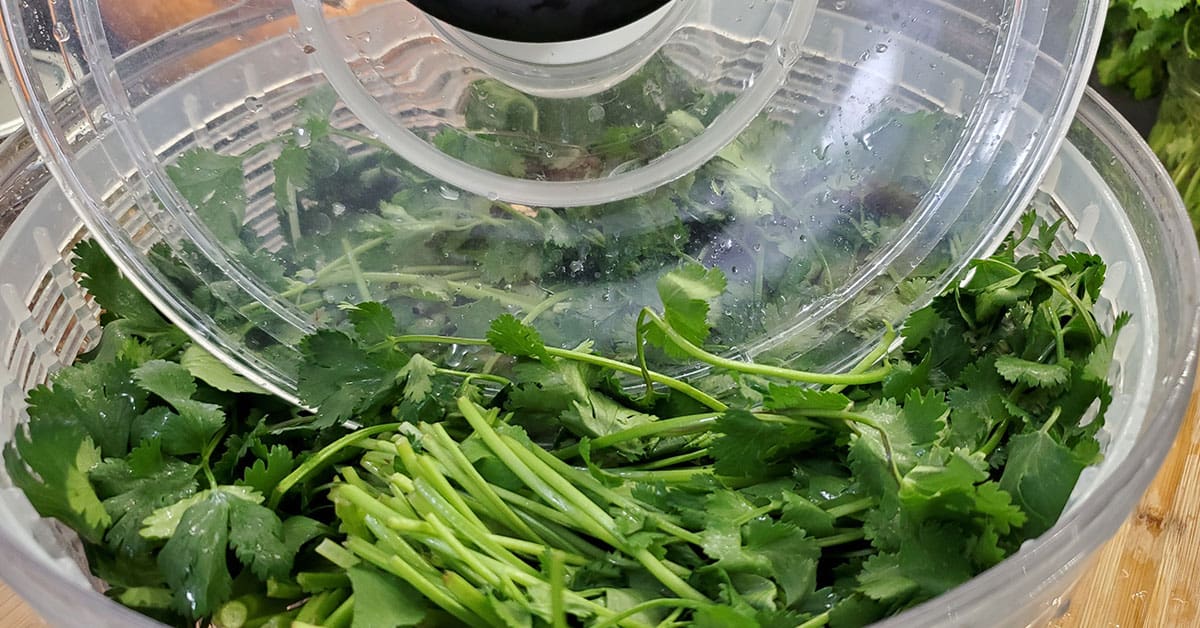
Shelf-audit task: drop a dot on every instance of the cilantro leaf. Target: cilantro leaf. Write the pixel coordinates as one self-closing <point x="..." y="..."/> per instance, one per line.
<point x="687" y="294"/>
<point x="784" y="398"/>
<point x="911" y="429"/>
<point x="1040" y="476"/>
<point x="214" y="185"/>
<point x="791" y="556"/>
<point x="50" y="465"/>
<point x="256" y="536"/>
<point x="510" y="336"/>
<point x="1032" y="374"/>
<point x="382" y="600"/>
<point x="205" y="367"/>
<point x="134" y="488"/>
<point x="266" y="472"/>
<point x="189" y="429"/>
<point x="748" y="446"/>
<point x="193" y="563"/>
<point x="115" y="293"/>
<point x="100" y="397"/>
<point x="418" y="378"/>
<point x="339" y="377"/>
<point x="1157" y="9"/>
<point x="373" y="322"/>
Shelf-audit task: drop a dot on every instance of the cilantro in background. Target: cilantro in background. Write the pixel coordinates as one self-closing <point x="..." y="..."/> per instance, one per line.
<point x="1140" y="37"/>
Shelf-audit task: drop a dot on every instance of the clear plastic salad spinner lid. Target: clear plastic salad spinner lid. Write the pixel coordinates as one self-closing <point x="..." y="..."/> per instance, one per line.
<point x="256" y="165"/>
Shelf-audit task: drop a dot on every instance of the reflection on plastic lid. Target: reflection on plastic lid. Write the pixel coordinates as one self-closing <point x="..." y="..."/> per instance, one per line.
<point x="53" y="70"/>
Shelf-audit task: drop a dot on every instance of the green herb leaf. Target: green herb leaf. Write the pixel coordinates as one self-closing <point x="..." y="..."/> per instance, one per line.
<point x="383" y="601"/>
<point x="1032" y="374"/>
<point x="267" y="472"/>
<point x="256" y="536"/>
<point x="687" y="294"/>
<point x="510" y="336"/>
<point x="205" y="367"/>
<point x="194" y="562"/>
<point x="214" y="186"/>
<point x="1040" y="476"/>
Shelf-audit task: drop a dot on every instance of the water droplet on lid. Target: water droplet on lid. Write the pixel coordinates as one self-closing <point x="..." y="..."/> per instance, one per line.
<point x="61" y="32"/>
<point x="881" y="48"/>
<point x="253" y="104"/>
<point x="449" y="194"/>
<point x="303" y="137"/>
<point x="339" y="209"/>
<point x="596" y="113"/>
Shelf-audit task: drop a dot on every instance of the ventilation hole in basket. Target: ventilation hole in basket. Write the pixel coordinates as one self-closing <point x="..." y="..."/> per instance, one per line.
<point x="1114" y="279"/>
<point x="30" y="372"/>
<point x="35" y="342"/>
<point x="1125" y="343"/>
<point x="1089" y="218"/>
<point x="1050" y="181"/>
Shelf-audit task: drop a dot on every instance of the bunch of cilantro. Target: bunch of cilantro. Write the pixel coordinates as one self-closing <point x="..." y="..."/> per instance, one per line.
<point x="1152" y="47"/>
<point x="557" y="486"/>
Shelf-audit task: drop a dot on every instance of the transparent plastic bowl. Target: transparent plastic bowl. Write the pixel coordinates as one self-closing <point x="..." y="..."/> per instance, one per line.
<point x="1116" y="200"/>
<point x="891" y="141"/>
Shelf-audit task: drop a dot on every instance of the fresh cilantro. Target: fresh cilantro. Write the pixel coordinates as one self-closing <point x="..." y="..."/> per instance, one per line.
<point x="511" y="336"/>
<point x="266" y="472"/>
<point x="207" y="368"/>
<point x="757" y="494"/>
<point x="214" y="186"/>
<point x="687" y="294"/>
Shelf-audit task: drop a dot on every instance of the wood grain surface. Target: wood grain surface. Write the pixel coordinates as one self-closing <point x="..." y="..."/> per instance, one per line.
<point x="1148" y="575"/>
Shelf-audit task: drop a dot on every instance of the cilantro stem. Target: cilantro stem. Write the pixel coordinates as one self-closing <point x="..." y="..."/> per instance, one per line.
<point x="323" y="457"/>
<point x="438" y="443"/>
<point x="558" y="586"/>
<point x="472" y="598"/>
<point x="206" y="454"/>
<point x="396" y="566"/>
<point x="579" y="356"/>
<point x="360" y="138"/>
<point x="1045" y="429"/>
<point x="1069" y="295"/>
<point x="850" y="508"/>
<point x="543" y="479"/>
<point x="751" y="368"/>
<point x="320" y="606"/>
<point x="876" y="354"/>
<point x="848" y="536"/>
<point x="487" y="377"/>
<point x="342" y="616"/>
<point x="668" y="476"/>
<point x="666" y="602"/>
<point x="679" y="426"/>
<point x="596" y="522"/>
<point x="364" y="292"/>
<point x="994" y="441"/>
<point x="641" y="350"/>
<point x="816" y="622"/>
<point x="674" y="460"/>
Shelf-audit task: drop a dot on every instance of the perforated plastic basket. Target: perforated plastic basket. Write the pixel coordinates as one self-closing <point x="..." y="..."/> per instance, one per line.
<point x="1116" y="201"/>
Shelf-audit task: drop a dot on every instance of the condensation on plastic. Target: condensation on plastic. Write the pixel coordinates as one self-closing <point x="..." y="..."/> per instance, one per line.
<point x="1117" y="203"/>
<point x="1009" y="72"/>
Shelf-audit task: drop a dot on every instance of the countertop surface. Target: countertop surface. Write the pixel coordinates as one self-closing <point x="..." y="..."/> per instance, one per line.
<point x="1146" y="576"/>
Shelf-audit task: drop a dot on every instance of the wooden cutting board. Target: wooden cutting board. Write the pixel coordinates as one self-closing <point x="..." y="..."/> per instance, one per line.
<point x="1148" y="575"/>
